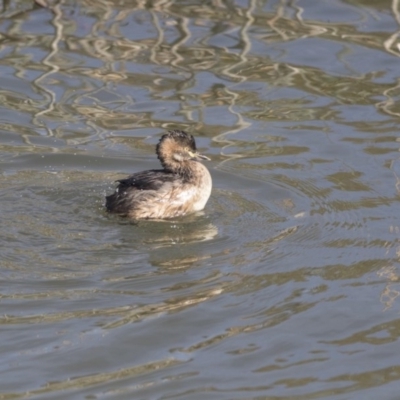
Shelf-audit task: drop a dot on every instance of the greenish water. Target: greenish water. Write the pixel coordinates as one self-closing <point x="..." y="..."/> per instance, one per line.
<point x="287" y="286"/>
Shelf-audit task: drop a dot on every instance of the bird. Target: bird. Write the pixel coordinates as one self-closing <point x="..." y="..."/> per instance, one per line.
<point x="183" y="186"/>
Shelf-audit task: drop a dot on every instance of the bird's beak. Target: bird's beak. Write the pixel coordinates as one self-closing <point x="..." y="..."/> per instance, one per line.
<point x="198" y="157"/>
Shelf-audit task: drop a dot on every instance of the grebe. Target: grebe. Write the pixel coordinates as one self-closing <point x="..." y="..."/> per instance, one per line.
<point x="182" y="187"/>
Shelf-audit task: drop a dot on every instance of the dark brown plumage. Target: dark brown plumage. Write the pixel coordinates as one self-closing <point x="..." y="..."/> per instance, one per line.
<point x="182" y="187"/>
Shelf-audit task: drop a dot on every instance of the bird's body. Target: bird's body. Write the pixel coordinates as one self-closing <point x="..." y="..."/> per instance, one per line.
<point x="182" y="187"/>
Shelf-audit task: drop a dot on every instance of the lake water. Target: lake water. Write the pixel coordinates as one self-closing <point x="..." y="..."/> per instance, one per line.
<point x="287" y="286"/>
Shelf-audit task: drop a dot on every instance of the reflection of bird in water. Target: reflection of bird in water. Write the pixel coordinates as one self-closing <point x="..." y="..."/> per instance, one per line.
<point x="182" y="187"/>
<point x="181" y="233"/>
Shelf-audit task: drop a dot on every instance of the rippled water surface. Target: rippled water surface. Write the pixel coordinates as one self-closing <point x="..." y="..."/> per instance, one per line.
<point x="287" y="286"/>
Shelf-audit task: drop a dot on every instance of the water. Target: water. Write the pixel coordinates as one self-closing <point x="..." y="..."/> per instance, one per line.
<point x="287" y="286"/>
